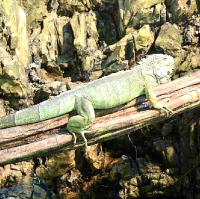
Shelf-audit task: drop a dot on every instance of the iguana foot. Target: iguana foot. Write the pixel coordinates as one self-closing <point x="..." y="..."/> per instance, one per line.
<point x="85" y="140"/>
<point x="167" y="110"/>
<point x="82" y="133"/>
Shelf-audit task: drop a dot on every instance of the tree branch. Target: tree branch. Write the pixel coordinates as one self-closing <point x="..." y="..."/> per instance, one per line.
<point x="50" y="136"/>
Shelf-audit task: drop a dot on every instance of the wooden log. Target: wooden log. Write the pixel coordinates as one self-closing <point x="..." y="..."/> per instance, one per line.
<point x="33" y="140"/>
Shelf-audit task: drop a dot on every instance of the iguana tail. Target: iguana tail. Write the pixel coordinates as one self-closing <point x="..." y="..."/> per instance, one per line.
<point x="48" y="109"/>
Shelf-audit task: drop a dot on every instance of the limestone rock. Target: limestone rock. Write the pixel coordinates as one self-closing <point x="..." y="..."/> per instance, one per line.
<point x="192" y="31"/>
<point x="53" y="68"/>
<point x="198" y="174"/>
<point x="86" y="41"/>
<point x="133" y="12"/>
<point x="181" y="11"/>
<point x="116" y="66"/>
<point x="135" y="42"/>
<point x="143" y="39"/>
<point x="169" y="39"/>
<point x="14" y="20"/>
<point x="96" y="75"/>
<point x="73" y="85"/>
<point x="191" y="60"/>
<point x="14" y="51"/>
<point x="146" y="179"/>
<point x="49" y="90"/>
<point x="95" y="158"/>
<point x="36" y="11"/>
<point x="71" y="7"/>
<point x="190" y="36"/>
<point x="65" y="40"/>
<point x="153" y="16"/>
<point x="17" y="181"/>
<point x="122" y="50"/>
<point x="130" y="190"/>
<point x="27" y="189"/>
<point x="67" y="7"/>
<point x="2" y="108"/>
<point x="15" y="172"/>
<point x="53" y="168"/>
<point x="122" y="168"/>
<point x="13" y="81"/>
<point x="52" y="46"/>
<point x="51" y="38"/>
<point x="18" y="191"/>
<point x="83" y="24"/>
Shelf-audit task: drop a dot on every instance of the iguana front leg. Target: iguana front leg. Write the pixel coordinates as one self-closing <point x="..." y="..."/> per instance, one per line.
<point x="85" y="117"/>
<point x="151" y="96"/>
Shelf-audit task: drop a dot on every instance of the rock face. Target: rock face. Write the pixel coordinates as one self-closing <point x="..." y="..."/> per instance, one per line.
<point x="181" y="11"/>
<point x="13" y="81"/>
<point x="140" y="178"/>
<point x="169" y="38"/>
<point x="131" y="14"/>
<point x="49" y="46"/>
<point x="14" y="33"/>
<point x="36" y="11"/>
<point x="135" y="44"/>
<point x="85" y="41"/>
<point x="14" y="53"/>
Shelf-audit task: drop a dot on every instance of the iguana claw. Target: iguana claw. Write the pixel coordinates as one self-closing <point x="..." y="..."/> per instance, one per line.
<point x="167" y="110"/>
<point x="74" y="137"/>
<point x="84" y="139"/>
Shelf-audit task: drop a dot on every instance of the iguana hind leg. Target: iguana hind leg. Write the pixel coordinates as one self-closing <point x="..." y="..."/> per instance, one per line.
<point x="85" y="117"/>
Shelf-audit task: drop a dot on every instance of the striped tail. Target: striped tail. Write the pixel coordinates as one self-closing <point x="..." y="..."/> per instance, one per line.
<point x="48" y="109"/>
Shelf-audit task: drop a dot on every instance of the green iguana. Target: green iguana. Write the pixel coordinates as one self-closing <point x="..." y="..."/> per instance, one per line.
<point x="107" y="92"/>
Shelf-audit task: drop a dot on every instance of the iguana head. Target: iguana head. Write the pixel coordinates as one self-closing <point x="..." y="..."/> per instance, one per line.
<point x="159" y="66"/>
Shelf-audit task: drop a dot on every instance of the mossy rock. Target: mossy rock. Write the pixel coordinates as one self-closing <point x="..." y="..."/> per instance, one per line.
<point x="169" y="39"/>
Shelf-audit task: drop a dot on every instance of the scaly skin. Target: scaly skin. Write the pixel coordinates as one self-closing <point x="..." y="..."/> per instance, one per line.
<point x="107" y="92"/>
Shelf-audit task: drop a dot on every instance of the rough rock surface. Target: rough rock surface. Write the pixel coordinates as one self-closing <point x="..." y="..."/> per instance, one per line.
<point x="141" y="178"/>
<point x="131" y="14"/>
<point x="169" y="38"/>
<point x="86" y="41"/>
<point x="14" y="32"/>
<point x="180" y="11"/>
<point x="14" y="52"/>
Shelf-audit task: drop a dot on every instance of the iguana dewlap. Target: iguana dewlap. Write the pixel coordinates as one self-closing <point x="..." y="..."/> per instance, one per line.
<point x="104" y="93"/>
